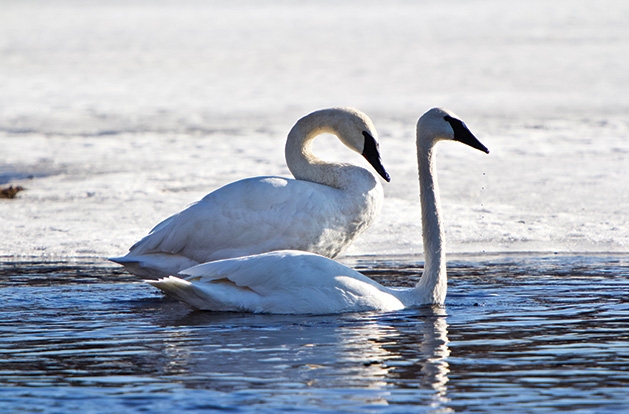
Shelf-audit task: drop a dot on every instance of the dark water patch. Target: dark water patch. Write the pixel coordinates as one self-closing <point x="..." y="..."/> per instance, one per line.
<point x="525" y="334"/>
<point x="55" y="273"/>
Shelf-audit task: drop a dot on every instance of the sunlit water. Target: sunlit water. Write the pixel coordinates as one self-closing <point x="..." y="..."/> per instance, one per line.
<point x="519" y="333"/>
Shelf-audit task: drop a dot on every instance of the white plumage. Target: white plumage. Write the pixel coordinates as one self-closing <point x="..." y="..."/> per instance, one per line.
<point x="294" y="282"/>
<point x="322" y="210"/>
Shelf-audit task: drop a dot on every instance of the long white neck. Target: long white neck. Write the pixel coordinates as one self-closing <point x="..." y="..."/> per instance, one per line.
<point x="433" y="283"/>
<point x="304" y="165"/>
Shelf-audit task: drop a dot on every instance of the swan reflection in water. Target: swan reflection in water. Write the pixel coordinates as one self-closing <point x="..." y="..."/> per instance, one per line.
<point x="329" y="361"/>
<point x="435" y="347"/>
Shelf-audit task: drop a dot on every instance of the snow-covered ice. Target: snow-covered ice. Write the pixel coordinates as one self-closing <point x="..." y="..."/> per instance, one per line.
<point x="115" y="115"/>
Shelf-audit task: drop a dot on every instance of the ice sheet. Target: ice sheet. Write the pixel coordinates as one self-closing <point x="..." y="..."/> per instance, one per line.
<point x="115" y="115"/>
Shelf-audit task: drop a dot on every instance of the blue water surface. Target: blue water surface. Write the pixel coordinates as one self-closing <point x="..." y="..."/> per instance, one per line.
<point x="518" y="333"/>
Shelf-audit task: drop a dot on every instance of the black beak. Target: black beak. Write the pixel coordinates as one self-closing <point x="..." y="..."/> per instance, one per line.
<point x="464" y="135"/>
<point x="372" y="155"/>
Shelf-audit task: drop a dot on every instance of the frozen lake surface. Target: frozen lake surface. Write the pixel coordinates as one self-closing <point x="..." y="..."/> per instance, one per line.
<point x="115" y="115"/>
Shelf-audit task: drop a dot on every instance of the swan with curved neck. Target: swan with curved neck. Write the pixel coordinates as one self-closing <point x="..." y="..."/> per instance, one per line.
<point x="322" y="210"/>
<point x="292" y="282"/>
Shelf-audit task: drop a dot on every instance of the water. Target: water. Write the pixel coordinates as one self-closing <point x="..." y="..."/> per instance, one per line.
<point x="535" y="333"/>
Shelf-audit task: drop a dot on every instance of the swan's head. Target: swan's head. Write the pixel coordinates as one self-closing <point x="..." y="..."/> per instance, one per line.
<point x="358" y="133"/>
<point x="352" y="127"/>
<point x="439" y="124"/>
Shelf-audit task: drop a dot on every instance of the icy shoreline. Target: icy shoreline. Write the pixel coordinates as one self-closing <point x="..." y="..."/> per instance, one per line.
<point x="123" y="113"/>
<point x="95" y="196"/>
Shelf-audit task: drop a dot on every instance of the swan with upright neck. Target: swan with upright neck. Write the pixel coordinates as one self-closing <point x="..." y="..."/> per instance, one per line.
<point x="291" y="282"/>
<point x="322" y="210"/>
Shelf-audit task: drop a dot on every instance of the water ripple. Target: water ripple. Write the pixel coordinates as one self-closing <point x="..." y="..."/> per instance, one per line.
<point x="532" y="333"/>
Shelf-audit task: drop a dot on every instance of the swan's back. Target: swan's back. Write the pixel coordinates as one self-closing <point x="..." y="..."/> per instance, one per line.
<point x="284" y="282"/>
<point x="253" y="216"/>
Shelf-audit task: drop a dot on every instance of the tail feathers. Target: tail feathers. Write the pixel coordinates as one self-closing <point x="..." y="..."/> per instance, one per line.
<point x="179" y="289"/>
<point x="154" y="266"/>
<point x="221" y="296"/>
<point x="121" y="260"/>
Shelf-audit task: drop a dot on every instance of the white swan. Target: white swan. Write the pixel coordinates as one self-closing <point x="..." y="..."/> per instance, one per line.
<point x="294" y="282"/>
<point x="322" y="210"/>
